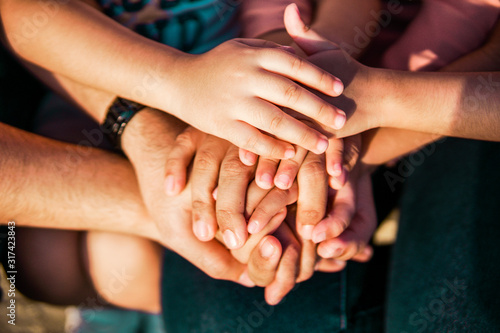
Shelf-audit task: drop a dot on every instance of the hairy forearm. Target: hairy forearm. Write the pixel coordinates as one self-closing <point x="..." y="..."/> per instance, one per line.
<point x="46" y="183"/>
<point x="82" y="44"/>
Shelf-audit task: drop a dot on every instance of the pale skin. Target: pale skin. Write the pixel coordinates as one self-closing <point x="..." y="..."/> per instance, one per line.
<point x="234" y="109"/>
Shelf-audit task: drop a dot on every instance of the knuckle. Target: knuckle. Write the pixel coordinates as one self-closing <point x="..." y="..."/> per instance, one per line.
<point x="224" y="216"/>
<point x="251" y="143"/>
<point x="324" y="111"/>
<point x="199" y="205"/>
<point x="296" y="65"/>
<point x="313" y="170"/>
<point x="205" y="160"/>
<point x="261" y="211"/>
<point x="308" y="215"/>
<point x="292" y="93"/>
<point x="216" y="270"/>
<point x="277" y="121"/>
<point x="306" y="138"/>
<point x="340" y="224"/>
<point x="184" y="139"/>
<point x="325" y="80"/>
<point x="233" y="167"/>
<point x="305" y="275"/>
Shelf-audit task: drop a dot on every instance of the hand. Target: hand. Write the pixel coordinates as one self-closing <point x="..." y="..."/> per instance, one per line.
<point x="237" y="87"/>
<point x="147" y="141"/>
<point x="358" y="100"/>
<point x="346" y="231"/>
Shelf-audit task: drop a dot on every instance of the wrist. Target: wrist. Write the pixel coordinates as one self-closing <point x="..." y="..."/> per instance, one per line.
<point x="384" y="101"/>
<point x="148" y="134"/>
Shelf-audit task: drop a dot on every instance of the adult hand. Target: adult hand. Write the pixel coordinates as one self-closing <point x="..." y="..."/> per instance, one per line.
<point x="147" y="141"/>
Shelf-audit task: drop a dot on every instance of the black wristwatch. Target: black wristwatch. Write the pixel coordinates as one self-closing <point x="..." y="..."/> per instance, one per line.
<point x="119" y="114"/>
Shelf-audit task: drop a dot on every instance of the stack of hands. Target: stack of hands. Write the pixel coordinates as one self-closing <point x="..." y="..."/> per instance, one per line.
<point x="257" y="210"/>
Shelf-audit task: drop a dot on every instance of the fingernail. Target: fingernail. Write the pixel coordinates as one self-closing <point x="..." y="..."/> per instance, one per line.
<point x="245" y="280"/>
<point x="340" y="120"/>
<point x="306" y="232"/>
<point x="338" y="87"/>
<point x="170" y="185"/>
<point x="253" y="227"/>
<point x="319" y="238"/>
<point x="267" y="250"/>
<point x="201" y="229"/>
<point x="267" y="179"/>
<point x="283" y="181"/>
<point x="289" y="153"/>
<point x="336" y="170"/>
<point x="214" y="193"/>
<point x="322" y="146"/>
<point x="230" y="239"/>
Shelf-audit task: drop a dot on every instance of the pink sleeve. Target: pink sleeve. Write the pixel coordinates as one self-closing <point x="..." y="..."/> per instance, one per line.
<point x="261" y="16"/>
<point x="443" y="31"/>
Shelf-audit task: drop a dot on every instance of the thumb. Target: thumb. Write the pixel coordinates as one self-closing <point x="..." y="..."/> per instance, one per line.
<point x="308" y="40"/>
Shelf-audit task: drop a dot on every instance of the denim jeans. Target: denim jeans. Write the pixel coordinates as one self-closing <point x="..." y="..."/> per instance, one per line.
<point x="446" y="266"/>
<point x="349" y="301"/>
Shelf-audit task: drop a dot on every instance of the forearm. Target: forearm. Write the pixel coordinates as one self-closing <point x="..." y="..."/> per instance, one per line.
<point x="96" y="51"/>
<point x="388" y="143"/>
<point x="93" y="101"/>
<point x="51" y="184"/>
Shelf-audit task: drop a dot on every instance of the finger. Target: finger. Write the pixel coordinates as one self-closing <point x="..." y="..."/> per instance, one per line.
<point x="264" y="261"/>
<point x="255" y="194"/>
<point x="334" y="163"/>
<point x="247" y="157"/>
<point x="231" y="193"/>
<point x="285" y="62"/>
<point x="204" y="178"/>
<point x="288" y="268"/>
<point x="271" y="119"/>
<point x="243" y="253"/>
<point x="364" y="255"/>
<point x="179" y="159"/>
<point x="330" y="265"/>
<point x="266" y="170"/>
<point x="251" y="139"/>
<point x="355" y="238"/>
<point x="352" y="149"/>
<point x="286" y="93"/>
<point x="313" y="194"/>
<point x="273" y="203"/>
<point x="308" y="40"/>
<point x="340" y="216"/>
<point x="307" y="261"/>
<point x="288" y="169"/>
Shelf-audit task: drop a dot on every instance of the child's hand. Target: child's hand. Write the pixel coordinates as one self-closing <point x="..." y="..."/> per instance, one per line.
<point x="234" y="91"/>
<point x="346" y="231"/>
